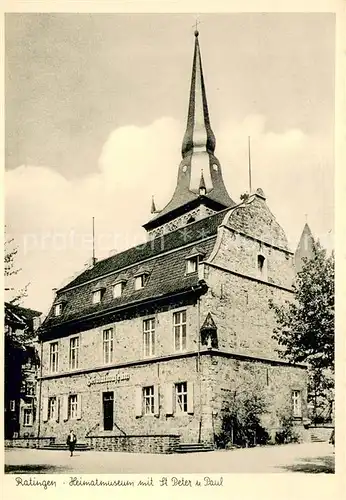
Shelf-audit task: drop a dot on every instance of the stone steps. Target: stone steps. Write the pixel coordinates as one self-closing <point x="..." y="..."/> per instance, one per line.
<point x="317" y="439"/>
<point x="193" y="448"/>
<point x="64" y="447"/>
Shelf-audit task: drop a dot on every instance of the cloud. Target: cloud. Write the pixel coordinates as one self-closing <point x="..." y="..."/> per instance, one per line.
<point x="51" y="217"/>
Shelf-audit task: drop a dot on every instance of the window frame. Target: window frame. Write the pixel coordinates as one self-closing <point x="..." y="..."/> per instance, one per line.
<point x="141" y="281"/>
<point x="74" y="350"/>
<point x="30" y="385"/>
<point x="110" y="343"/>
<point x="74" y="415"/>
<point x="148" y="400"/>
<point x="151" y="334"/>
<point x="296" y="403"/>
<point x="28" y="411"/>
<point x="120" y="287"/>
<point x="96" y="293"/>
<point x="52" y="415"/>
<point x="192" y="264"/>
<point x="179" y="328"/>
<point x="180" y="390"/>
<point x="54" y="367"/>
<point x="58" y="309"/>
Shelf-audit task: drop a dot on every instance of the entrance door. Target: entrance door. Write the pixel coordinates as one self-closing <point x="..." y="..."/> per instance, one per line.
<point x="108" y="411"/>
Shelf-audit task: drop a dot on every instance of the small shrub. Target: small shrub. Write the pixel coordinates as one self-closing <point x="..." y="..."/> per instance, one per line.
<point x="286" y="434"/>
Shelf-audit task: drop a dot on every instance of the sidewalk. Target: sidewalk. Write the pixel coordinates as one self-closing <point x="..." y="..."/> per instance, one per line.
<point x="309" y="458"/>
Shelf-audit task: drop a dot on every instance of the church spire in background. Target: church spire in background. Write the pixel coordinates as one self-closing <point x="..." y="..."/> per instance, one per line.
<point x="199" y="136"/>
<point x="200" y="178"/>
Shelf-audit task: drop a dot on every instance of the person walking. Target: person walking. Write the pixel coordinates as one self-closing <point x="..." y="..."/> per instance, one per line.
<point x="332" y="437"/>
<point x="71" y="442"/>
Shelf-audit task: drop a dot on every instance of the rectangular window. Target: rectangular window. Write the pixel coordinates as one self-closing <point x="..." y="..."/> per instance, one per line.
<point x="140" y="281"/>
<point x="118" y="290"/>
<point x="12" y="405"/>
<point x="191" y="265"/>
<point x="73" y="406"/>
<point x="57" y="309"/>
<point x="149" y="337"/>
<point x="297" y="403"/>
<point x="52" y="408"/>
<point x="53" y="357"/>
<point x="30" y="388"/>
<point x="27" y="417"/>
<point x="74" y="353"/>
<point x="149" y="400"/>
<point x="108" y="346"/>
<point x="179" y="325"/>
<point x="96" y="296"/>
<point x="181" y="397"/>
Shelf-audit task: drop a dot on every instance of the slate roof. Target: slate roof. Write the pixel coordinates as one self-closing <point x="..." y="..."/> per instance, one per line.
<point x="166" y="276"/>
<point x="21" y="316"/>
<point x="170" y="241"/>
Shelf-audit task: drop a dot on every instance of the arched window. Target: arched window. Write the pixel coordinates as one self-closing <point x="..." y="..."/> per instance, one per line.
<point x="261" y="266"/>
<point x="190" y="219"/>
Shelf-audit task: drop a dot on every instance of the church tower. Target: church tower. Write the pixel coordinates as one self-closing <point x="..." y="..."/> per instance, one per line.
<point x="200" y="189"/>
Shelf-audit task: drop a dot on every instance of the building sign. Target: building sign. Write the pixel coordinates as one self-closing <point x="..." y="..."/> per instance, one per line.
<point x="120" y="377"/>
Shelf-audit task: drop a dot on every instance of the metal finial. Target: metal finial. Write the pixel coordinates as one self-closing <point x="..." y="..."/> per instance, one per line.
<point x="195" y="26"/>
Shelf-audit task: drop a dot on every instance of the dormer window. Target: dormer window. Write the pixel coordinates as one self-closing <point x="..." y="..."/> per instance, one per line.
<point x="97" y="295"/>
<point x="58" y="309"/>
<point x="192" y="265"/>
<point x="193" y="259"/>
<point x="141" y="278"/>
<point x="118" y="288"/>
<point x="140" y="281"/>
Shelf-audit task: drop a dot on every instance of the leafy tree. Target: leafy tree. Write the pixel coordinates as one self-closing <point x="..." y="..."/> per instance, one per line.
<point x="305" y="326"/>
<point x="242" y="411"/>
<point x="10" y="270"/>
<point x="18" y="336"/>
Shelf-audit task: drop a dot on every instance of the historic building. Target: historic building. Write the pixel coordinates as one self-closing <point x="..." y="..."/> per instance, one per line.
<point x="149" y="342"/>
<point x="21" y="369"/>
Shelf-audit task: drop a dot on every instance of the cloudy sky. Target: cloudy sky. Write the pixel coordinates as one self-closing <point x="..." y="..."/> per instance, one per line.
<point x="95" y="114"/>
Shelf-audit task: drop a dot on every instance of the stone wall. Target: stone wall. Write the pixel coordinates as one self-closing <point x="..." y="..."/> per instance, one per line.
<point x="31" y="442"/>
<point x="135" y="444"/>
<point x="240" y="309"/>
<point x="90" y="386"/>
<point x="229" y="375"/>
<point x="128" y="340"/>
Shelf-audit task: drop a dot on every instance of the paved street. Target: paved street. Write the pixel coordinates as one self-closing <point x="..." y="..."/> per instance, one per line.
<point x="310" y="458"/>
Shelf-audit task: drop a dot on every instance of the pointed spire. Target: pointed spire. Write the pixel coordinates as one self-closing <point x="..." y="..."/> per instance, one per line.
<point x="199" y="135"/>
<point x="199" y="171"/>
<point x="153" y="206"/>
<point x="305" y="249"/>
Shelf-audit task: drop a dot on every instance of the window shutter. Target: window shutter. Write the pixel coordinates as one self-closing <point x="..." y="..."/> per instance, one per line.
<point x="65" y="407"/>
<point x="79" y="406"/>
<point x="169" y="399"/>
<point x="138" y="401"/>
<point x="190" y="397"/>
<point x="45" y="409"/>
<point x="57" y="408"/>
<point x="156" y="401"/>
<point x="101" y="411"/>
<point x="101" y="349"/>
